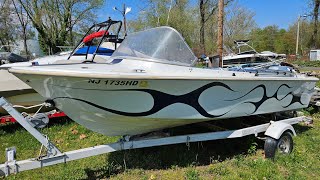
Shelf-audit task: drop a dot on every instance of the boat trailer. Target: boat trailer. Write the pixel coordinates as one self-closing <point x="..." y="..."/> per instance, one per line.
<point x="274" y="133"/>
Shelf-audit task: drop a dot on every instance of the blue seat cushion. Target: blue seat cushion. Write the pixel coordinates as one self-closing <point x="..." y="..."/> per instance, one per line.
<point x="92" y="49"/>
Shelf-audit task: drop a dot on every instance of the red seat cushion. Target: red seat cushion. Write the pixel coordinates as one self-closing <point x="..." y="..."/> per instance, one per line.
<point x="94" y="35"/>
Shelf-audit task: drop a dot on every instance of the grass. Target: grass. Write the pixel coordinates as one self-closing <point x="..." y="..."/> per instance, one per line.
<point x="306" y="63"/>
<point x="241" y="158"/>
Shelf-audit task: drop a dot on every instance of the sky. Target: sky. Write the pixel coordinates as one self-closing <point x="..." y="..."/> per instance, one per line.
<point x="282" y="13"/>
<point x="276" y="12"/>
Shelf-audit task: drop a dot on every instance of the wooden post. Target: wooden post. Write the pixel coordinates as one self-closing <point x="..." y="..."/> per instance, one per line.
<point x="220" y="31"/>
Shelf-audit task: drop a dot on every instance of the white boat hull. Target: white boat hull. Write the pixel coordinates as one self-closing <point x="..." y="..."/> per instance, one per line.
<point x="134" y="106"/>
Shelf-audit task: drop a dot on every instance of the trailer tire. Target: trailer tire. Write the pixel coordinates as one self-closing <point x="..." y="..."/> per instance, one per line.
<point x="283" y="145"/>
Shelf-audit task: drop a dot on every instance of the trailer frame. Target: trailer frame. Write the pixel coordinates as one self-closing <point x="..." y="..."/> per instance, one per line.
<point x="55" y="156"/>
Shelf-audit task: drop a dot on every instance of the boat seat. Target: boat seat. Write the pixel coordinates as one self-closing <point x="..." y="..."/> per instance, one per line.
<point x="92" y="49"/>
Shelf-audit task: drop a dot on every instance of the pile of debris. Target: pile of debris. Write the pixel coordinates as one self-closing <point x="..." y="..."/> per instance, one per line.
<point x="315" y="99"/>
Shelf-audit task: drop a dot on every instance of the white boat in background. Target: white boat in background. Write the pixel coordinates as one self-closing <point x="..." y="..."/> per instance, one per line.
<point x="19" y="93"/>
<point x="150" y="83"/>
<point x="248" y="55"/>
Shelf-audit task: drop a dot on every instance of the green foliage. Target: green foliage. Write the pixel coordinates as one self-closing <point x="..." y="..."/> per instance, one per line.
<point x="192" y="174"/>
<point x="8" y="29"/>
<point x="218" y="169"/>
<point x="253" y="148"/>
<point x="264" y="39"/>
<point x="307" y="63"/>
<point x="310" y="110"/>
<point x="271" y="38"/>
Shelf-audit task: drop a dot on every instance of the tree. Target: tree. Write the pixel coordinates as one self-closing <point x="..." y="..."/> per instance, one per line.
<point x="182" y="17"/>
<point x="57" y="20"/>
<point x="264" y="39"/>
<point x="207" y="8"/>
<point x="185" y="16"/>
<point x="238" y="24"/>
<point x="271" y="38"/>
<point x="23" y="19"/>
<point x="305" y="42"/>
<point x="202" y="23"/>
<point x="315" y="16"/>
<point x="8" y="28"/>
<point x="155" y="14"/>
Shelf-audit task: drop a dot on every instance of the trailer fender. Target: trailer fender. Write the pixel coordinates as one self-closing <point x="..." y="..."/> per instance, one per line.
<point x="276" y="129"/>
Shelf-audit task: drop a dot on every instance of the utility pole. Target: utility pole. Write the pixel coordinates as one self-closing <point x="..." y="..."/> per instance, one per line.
<point x="220" y="31"/>
<point x="125" y="11"/>
<point x="298" y="33"/>
<point x="124" y="19"/>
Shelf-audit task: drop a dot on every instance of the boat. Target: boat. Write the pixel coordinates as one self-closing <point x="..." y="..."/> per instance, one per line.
<point x="19" y="93"/>
<point x="10" y="57"/>
<point x="150" y="83"/>
<point x="248" y="55"/>
<point x="267" y="69"/>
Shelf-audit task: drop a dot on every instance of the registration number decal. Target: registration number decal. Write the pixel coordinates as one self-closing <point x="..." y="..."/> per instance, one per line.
<point x="118" y="82"/>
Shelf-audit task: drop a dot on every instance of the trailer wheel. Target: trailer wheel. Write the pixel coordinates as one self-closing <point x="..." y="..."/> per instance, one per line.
<point x="283" y="145"/>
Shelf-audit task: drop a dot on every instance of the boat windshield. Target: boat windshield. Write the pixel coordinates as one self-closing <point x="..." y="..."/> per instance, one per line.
<point x="163" y="44"/>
